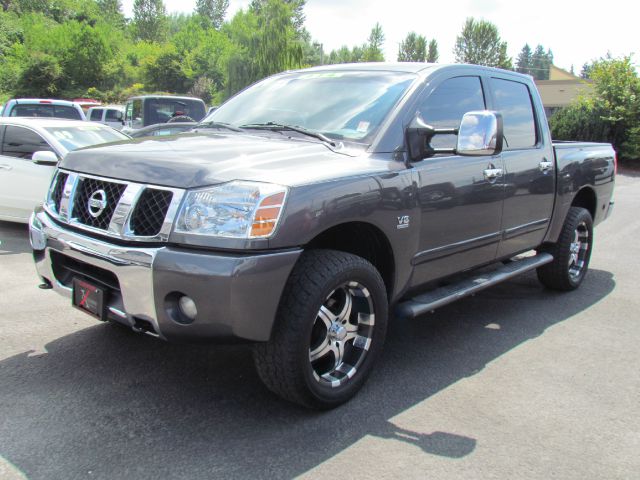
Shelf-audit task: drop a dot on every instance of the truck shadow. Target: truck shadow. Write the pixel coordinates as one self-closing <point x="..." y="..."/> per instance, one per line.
<point x="14" y="238"/>
<point x="118" y="405"/>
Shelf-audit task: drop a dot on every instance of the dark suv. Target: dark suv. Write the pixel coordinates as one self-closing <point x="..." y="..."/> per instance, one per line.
<point x="151" y="109"/>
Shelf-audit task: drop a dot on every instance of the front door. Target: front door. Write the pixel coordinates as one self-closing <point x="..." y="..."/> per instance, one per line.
<point x="23" y="184"/>
<point x="460" y="198"/>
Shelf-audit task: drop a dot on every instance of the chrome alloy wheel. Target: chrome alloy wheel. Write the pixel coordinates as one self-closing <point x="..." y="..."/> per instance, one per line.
<point x="341" y="335"/>
<point x="578" y="250"/>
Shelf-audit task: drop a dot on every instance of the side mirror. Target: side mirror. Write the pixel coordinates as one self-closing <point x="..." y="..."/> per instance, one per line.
<point x="44" y="157"/>
<point x="480" y="133"/>
<point x="419" y="136"/>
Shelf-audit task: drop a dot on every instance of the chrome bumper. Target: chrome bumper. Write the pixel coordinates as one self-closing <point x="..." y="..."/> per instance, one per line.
<point x="236" y="295"/>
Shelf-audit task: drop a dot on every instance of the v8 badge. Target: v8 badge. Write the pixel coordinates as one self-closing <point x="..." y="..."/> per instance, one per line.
<point x="403" y="222"/>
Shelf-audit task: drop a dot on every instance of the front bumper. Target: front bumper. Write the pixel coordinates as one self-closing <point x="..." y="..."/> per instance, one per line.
<point x="236" y="295"/>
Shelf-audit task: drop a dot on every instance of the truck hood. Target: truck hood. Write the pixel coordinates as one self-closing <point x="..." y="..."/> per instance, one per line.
<point x="197" y="160"/>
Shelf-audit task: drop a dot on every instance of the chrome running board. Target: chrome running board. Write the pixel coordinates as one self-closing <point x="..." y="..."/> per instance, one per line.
<point x="439" y="297"/>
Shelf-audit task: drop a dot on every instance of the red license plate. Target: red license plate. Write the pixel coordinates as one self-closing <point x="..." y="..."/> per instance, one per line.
<point x="88" y="298"/>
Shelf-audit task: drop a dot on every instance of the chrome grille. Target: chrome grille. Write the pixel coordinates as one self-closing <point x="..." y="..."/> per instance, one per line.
<point x="150" y="211"/>
<point x="87" y="188"/>
<point x="58" y="189"/>
<point x="113" y="208"/>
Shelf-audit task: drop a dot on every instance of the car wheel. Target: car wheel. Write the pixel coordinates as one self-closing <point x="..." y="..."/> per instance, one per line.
<point x="330" y="329"/>
<point x="571" y="254"/>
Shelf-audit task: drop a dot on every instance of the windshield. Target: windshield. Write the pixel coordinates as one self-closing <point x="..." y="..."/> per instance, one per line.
<point x="73" y="137"/>
<point x="342" y="105"/>
<point x="161" y="110"/>
<point x="46" y="110"/>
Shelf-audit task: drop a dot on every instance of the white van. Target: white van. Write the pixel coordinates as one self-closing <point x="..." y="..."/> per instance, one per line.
<point x="112" y="115"/>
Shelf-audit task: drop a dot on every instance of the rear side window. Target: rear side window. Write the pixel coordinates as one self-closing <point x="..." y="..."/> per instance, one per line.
<point x="66" y="112"/>
<point x="514" y="102"/>
<point x="22" y="143"/>
<point x="45" y="110"/>
<point x="113" y="116"/>
<point x="447" y="104"/>
<point x="96" y="115"/>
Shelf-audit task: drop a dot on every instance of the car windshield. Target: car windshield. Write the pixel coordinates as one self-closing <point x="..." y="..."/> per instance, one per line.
<point x="74" y="137"/>
<point x="341" y="105"/>
<point x="161" y="110"/>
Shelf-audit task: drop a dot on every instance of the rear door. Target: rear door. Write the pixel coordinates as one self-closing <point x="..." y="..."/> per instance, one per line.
<point x="461" y="208"/>
<point x="529" y="167"/>
<point x="23" y="184"/>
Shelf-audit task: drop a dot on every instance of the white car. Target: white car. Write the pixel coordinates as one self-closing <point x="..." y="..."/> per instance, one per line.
<point x="30" y="149"/>
<point x="112" y="115"/>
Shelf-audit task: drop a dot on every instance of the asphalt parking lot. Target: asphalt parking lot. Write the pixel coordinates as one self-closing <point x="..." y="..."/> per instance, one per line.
<point x="516" y="382"/>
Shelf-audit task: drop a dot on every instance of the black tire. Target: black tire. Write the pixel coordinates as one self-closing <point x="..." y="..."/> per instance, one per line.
<point x="571" y="254"/>
<point x="325" y="284"/>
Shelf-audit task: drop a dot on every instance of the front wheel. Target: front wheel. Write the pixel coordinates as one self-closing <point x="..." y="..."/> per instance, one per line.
<point x="571" y="253"/>
<point x="330" y="328"/>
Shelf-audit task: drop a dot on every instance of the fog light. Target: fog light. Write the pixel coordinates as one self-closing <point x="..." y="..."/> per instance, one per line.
<point x="188" y="307"/>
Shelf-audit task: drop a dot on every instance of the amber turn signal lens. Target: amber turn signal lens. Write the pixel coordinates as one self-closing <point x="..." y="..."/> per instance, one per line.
<point x="275" y="199"/>
<point x="266" y="216"/>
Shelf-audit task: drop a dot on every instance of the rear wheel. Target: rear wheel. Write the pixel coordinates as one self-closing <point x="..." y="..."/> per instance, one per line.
<point x="571" y="254"/>
<point x="330" y="328"/>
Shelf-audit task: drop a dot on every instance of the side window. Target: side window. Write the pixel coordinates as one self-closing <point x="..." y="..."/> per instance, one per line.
<point x="447" y="104"/>
<point x="128" y="109"/>
<point x="62" y="111"/>
<point x="96" y="115"/>
<point x="514" y="102"/>
<point x="113" y="116"/>
<point x="22" y="143"/>
<point x="136" y="115"/>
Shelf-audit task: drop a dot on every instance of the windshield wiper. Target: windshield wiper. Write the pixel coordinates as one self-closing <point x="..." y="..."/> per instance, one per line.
<point x="279" y="127"/>
<point x="212" y="124"/>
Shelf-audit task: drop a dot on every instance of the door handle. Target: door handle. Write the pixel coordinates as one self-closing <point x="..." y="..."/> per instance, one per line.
<point x="5" y="167"/>
<point x="492" y="173"/>
<point x="545" y="165"/>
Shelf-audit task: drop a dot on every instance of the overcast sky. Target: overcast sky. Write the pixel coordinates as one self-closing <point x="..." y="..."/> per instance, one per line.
<point x="576" y="31"/>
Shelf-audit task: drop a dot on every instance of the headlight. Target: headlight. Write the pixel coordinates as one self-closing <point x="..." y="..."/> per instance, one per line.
<point x="232" y="210"/>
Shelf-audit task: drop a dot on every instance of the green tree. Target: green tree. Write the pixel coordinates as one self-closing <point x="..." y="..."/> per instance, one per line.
<point x="479" y="43"/>
<point x="166" y="74"/>
<point x="373" y="48"/>
<point x="297" y="7"/>
<point x="213" y="10"/>
<point x="413" y="48"/>
<point x="541" y="62"/>
<point x="524" y="60"/>
<point x="111" y="11"/>
<point x="149" y="20"/>
<point x="267" y="40"/>
<point x="42" y="77"/>
<point x="610" y="113"/>
<point x="585" y="72"/>
<point x="433" y="55"/>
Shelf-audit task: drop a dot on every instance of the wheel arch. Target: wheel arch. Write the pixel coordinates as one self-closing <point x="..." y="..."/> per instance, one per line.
<point x="587" y="199"/>
<point x="365" y="240"/>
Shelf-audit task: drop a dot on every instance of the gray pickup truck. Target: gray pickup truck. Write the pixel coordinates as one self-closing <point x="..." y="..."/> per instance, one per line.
<point x="314" y="206"/>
